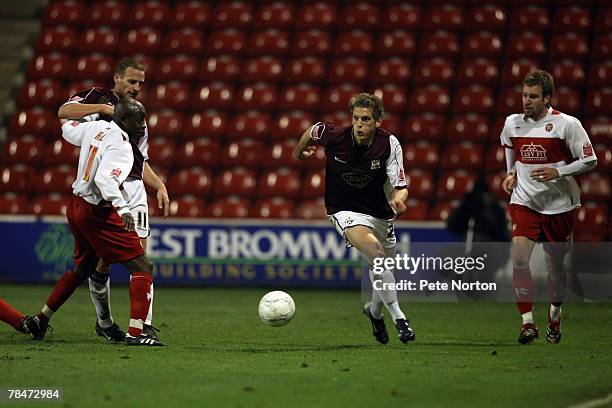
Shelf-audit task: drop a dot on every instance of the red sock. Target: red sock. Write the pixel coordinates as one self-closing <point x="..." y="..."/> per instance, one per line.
<point x="523" y="289"/>
<point x="10" y="315"/>
<point x="556" y="288"/>
<point x="64" y="288"/>
<point x="140" y="299"/>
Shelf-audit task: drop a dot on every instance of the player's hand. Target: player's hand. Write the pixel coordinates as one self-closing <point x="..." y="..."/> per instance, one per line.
<point x="163" y="201"/>
<point x="128" y="221"/>
<point x="107" y="110"/>
<point x="307" y="153"/>
<point x="544" y="174"/>
<point x="509" y="182"/>
<point x="399" y="206"/>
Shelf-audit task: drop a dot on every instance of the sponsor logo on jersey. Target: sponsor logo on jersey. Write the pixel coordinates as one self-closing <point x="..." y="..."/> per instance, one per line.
<point x="533" y="153"/>
<point x="587" y="150"/>
<point x="549" y="127"/>
<point x="115" y="172"/>
<point x="375" y="165"/>
<point x="356" y="179"/>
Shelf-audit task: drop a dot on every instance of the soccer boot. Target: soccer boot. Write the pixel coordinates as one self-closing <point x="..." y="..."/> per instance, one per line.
<point x="142" y="340"/>
<point x="33" y="326"/>
<point x="529" y="332"/>
<point x="150" y="331"/>
<point x="379" y="330"/>
<point x="553" y="330"/>
<point x="112" y="333"/>
<point x="404" y="332"/>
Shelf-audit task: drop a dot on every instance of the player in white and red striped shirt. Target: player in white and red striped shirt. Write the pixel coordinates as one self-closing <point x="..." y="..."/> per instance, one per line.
<point x="544" y="150"/>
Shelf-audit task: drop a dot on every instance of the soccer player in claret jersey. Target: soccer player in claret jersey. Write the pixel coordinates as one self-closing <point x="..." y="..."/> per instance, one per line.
<point x="12" y="316"/>
<point x="365" y="190"/>
<point x="544" y="150"/>
<point x="100" y="218"/>
<point x="98" y="103"/>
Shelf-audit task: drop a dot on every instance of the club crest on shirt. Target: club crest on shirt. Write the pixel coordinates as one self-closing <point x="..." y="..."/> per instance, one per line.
<point x="587" y="150"/>
<point x="549" y="127"/>
<point x="356" y="179"/>
<point x="533" y="153"/>
<point x="375" y="165"/>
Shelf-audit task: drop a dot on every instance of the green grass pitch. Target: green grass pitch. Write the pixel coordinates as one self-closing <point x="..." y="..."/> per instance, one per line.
<point x="219" y="354"/>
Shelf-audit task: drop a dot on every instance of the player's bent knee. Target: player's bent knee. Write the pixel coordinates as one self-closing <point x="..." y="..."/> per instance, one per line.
<point x="139" y="264"/>
<point x="85" y="268"/>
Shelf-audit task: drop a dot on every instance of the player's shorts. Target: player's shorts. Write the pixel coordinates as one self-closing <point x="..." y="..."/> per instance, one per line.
<point x="383" y="229"/>
<point x="136" y="196"/>
<point x="547" y="228"/>
<point x="98" y="232"/>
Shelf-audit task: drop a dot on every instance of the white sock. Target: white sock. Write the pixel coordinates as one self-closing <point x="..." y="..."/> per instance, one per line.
<point x="100" y="296"/>
<point x="149" y="318"/>
<point x="376" y="305"/>
<point x="46" y="310"/>
<point x="388" y="296"/>
<point x="527" y="317"/>
<point x="395" y="311"/>
<point x="555" y="312"/>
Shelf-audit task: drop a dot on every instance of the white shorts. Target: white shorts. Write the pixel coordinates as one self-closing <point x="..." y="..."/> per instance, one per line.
<point x="383" y="229"/>
<point x="135" y="194"/>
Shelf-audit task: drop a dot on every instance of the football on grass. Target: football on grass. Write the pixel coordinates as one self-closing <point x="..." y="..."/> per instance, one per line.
<point x="276" y="308"/>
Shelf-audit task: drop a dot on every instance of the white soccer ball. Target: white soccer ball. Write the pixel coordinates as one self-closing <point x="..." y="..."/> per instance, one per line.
<point x="276" y="308"/>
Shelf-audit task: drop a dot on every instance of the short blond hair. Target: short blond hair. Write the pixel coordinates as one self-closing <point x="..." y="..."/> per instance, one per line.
<point x="366" y="100"/>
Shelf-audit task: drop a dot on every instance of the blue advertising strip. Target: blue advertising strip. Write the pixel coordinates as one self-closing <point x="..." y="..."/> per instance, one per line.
<point x="207" y="252"/>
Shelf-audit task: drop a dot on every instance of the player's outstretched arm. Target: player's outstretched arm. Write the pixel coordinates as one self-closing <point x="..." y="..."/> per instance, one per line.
<point x="77" y="110"/>
<point x="163" y="200"/>
<point x="304" y="150"/>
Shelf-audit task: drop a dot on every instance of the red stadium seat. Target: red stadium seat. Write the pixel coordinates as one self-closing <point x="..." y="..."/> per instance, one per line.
<point x="195" y="180"/>
<point x="482" y="44"/>
<point x="568" y="45"/>
<point x="393" y="97"/>
<point x="66" y="12"/>
<point x="312" y="209"/>
<point x="391" y="71"/>
<point x="272" y="208"/>
<point x="17" y="178"/>
<point x="188" y="207"/>
<point x="446" y="17"/>
<point x="336" y="98"/>
<point x="171" y="95"/>
<point x="514" y="71"/>
<point x="222" y="68"/>
<point x="439" y="44"/>
<point x="510" y="100"/>
<point x="495" y="158"/>
<point x="238" y="181"/>
<point x="434" y="71"/>
<point x="604" y="157"/>
<point x="420" y="183"/>
<point x="274" y="15"/>
<point x="110" y="13"/>
<point x="280" y="154"/>
<point x="358" y="16"/>
<point x="402" y="16"/>
<point x="230" y="207"/>
<point x="235" y="14"/>
<point x="443" y="209"/>
<point x="304" y="69"/>
<point x="279" y="183"/>
<point x="149" y="14"/>
<point x="470" y="127"/>
<point x="600" y="129"/>
<point x="351" y="70"/>
<point x="291" y="125"/>
<point x="321" y="15"/>
<point x="216" y="95"/>
<point x="300" y="96"/>
<point x="192" y="14"/>
<point x="455" y="184"/>
<point x="145" y="40"/>
<point x="425" y="126"/>
<point x="187" y="41"/>
<point x="57" y="39"/>
<point x="572" y="19"/>
<point x="416" y="210"/>
<point x="396" y="43"/>
<point x="102" y="39"/>
<point x="53" y="66"/>
<point x="179" y="68"/>
<point x="464" y="155"/>
<point x="525" y="45"/>
<point x="421" y="155"/>
<point x="162" y="151"/>
<point x="598" y="101"/>
<point x="210" y="124"/>
<point x="11" y="203"/>
<point x="200" y="152"/>
<point x="479" y="71"/>
<point x="313" y="43"/>
<point x="249" y="124"/>
<point x="61" y="152"/>
<point x="567" y="100"/>
<point x="24" y="149"/>
<point x="56" y="180"/>
<point x="94" y="67"/>
<point x="600" y="74"/>
<point x="34" y="121"/>
<point x="529" y="18"/>
<point x="355" y="43"/>
<point x="226" y="42"/>
<point x="314" y="184"/>
<point x="52" y="204"/>
<point x="44" y="93"/>
<point x="473" y="99"/>
<point x="257" y="96"/>
<point x="339" y="118"/>
<point x="568" y="72"/>
<point x="246" y="153"/>
<point x="592" y="217"/>
<point x="601" y="50"/>
<point x="393" y="123"/>
<point x="603" y="20"/>
<point x="595" y="186"/>
<point x="165" y="123"/>
<point x="487" y="17"/>
<point x="269" y="42"/>
<point x="264" y="69"/>
<point x="430" y="99"/>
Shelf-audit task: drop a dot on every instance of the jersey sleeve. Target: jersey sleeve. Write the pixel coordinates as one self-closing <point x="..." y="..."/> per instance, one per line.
<point x="324" y="132"/>
<point x="395" y="164"/>
<point x="505" y="135"/>
<point x="578" y="142"/>
<point x="74" y="131"/>
<point x="143" y="144"/>
<point x="115" y="165"/>
<point x="89" y="96"/>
